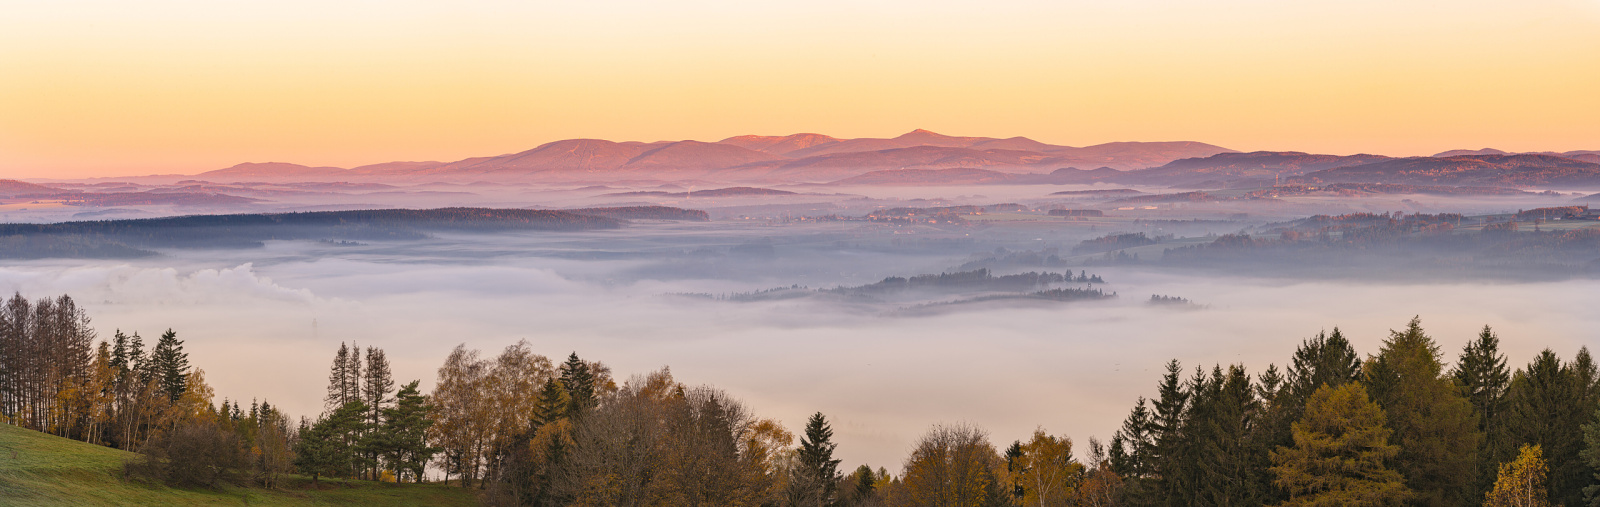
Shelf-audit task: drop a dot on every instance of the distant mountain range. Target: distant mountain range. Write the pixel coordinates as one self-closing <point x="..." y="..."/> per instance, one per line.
<point x="1583" y="155"/>
<point x="799" y="158"/>
<point x="1267" y="168"/>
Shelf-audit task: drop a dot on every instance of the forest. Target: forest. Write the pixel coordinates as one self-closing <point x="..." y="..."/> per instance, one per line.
<point x="1403" y="425"/>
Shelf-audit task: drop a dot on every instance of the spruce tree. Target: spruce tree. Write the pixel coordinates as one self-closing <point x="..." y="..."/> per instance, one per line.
<point x="1130" y="445"/>
<point x="119" y="350"/>
<point x="1545" y="406"/>
<point x="1167" y="452"/>
<point x="552" y="405"/>
<point x="1591" y="457"/>
<point x="1433" y="423"/>
<point x="170" y="365"/>
<point x="1483" y="377"/>
<point x="578" y="382"/>
<point x="1323" y="360"/>
<point x="816" y="474"/>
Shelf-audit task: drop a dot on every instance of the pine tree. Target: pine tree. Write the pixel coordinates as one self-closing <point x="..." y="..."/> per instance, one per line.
<point x="352" y="374"/>
<point x="405" y="433"/>
<point x="1521" y="482"/>
<point x="375" y="388"/>
<point x="337" y="388"/>
<point x="1340" y="447"/>
<point x="170" y="365"/>
<point x="816" y="474"/>
<point x="377" y="384"/>
<point x="1482" y="374"/>
<point x="317" y="453"/>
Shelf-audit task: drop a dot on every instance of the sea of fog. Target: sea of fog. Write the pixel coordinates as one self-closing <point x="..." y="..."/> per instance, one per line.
<point x="264" y="324"/>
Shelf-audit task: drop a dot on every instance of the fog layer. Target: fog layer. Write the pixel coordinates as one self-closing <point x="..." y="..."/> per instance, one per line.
<point x="264" y="323"/>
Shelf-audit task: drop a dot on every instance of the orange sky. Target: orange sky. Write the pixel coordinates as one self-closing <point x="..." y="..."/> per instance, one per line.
<point x="118" y="88"/>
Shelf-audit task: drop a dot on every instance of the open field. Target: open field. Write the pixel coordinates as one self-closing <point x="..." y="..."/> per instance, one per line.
<point x="41" y="469"/>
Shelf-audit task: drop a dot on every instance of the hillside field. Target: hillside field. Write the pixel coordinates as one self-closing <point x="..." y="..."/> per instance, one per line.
<point x="41" y="469"/>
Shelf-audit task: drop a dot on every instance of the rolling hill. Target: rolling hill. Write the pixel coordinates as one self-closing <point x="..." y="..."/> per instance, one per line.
<point x="1518" y="170"/>
<point x="1234" y="166"/>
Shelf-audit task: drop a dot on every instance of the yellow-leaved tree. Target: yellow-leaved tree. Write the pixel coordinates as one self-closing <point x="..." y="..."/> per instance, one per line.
<point x="1521" y="481"/>
<point x="1049" y="476"/>
<point x="951" y="466"/>
<point x="1340" y="446"/>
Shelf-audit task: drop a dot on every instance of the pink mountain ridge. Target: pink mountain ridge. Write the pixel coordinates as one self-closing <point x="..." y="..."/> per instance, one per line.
<point x="798" y="158"/>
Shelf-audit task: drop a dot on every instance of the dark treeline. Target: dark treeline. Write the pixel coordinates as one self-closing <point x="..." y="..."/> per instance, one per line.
<point x="1399" y="427"/>
<point x="130" y="238"/>
<point x="1395" y="428"/>
<point x="1417" y="242"/>
<point x="978" y="279"/>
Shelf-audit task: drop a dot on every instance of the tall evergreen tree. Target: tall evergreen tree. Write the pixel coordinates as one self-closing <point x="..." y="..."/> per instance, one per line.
<point x="1131" y="445"/>
<point x="1323" y="360"/>
<point x="1224" y="462"/>
<point x="1433" y="424"/>
<point x="138" y="361"/>
<point x="374" y="387"/>
<point x="352" y="374"/>
<point x="377" y="385"/>
<point x="1591" y="457"/>
<point x="337" y="389"/>
<point x="578" y="382"/>
<point x="552" y="405"/>
<point x="119" y="350"/>
<point x="170" y="364"/>
<point x="1483" y="377"/>
<point x="317" y="451"/>
<point x="1545" y="406"/>
<point x="816" y="476"/>
<point x="402" y="440"/>
<point x="1167" y="452"/>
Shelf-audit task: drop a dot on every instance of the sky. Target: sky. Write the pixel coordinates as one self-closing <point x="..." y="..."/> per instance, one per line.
<point x="100" y="88"/>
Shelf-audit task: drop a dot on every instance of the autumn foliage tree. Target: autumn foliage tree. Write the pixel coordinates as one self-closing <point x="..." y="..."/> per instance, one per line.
<point x="951" y="466"/>
<point x="1047" y="472"/>
<point x="1521" y="482"/>
<point x="1339" y="453"/>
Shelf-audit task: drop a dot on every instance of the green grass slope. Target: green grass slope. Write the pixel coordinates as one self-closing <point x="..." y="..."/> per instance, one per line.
<point x="41" y="469"/>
